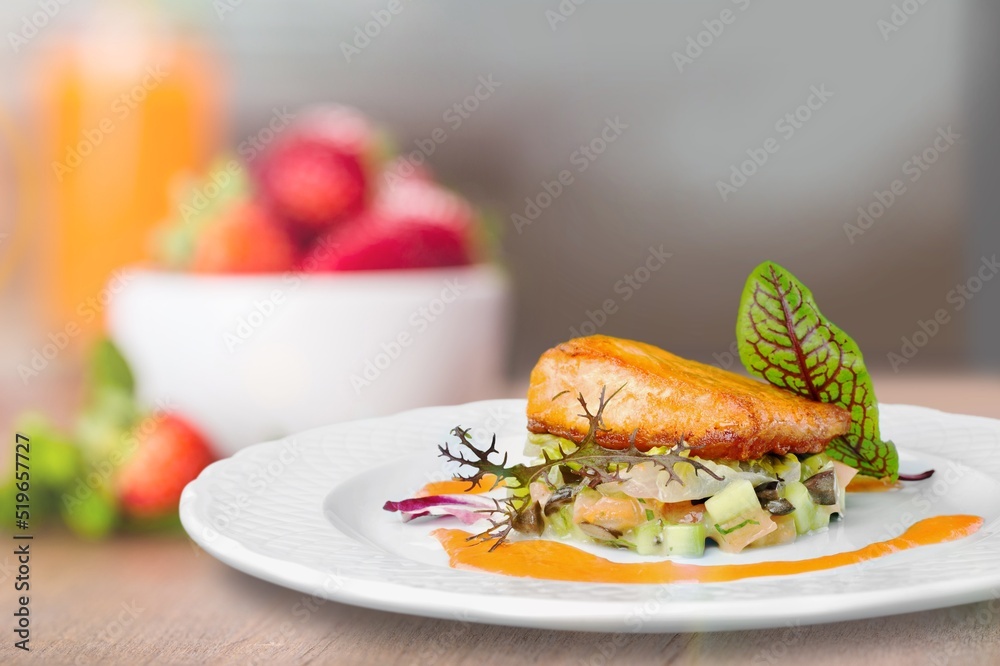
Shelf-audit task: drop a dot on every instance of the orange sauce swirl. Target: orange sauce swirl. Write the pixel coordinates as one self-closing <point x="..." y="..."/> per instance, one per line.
<point x="553" y="560"/>
<point x="458" y="487"/>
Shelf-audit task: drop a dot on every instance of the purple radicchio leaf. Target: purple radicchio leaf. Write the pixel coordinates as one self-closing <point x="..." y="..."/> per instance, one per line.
<point x="467" y="508"/>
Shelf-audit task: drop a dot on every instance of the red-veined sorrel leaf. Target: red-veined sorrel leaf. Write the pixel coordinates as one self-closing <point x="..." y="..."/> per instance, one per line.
<point x="785" y="339"/>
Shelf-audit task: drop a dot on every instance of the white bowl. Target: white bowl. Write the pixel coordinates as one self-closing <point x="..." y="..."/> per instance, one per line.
<point x="251" y="358"/>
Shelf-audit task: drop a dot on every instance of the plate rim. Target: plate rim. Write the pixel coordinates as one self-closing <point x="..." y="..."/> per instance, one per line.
<point x="606" y="615"/>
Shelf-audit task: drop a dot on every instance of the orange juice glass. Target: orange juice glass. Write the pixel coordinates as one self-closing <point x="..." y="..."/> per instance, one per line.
<point x="127" y="106"/>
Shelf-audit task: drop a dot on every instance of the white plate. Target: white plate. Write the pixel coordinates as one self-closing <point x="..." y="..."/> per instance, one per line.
<point x="306" y="512"/>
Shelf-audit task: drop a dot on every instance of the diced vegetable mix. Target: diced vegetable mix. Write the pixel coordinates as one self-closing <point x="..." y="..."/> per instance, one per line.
<point x="797" y="496"/>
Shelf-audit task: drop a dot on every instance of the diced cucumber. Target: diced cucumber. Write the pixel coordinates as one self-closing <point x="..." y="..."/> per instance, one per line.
<point x="798" y="495"/>
<point x="685" y="540"/>
<point x="821" y="518"/>
<point x="736" y="501"/>
<point x="808" y="516"/>
<point x="813" y="465"/>
<point x="736" y="518"/>
<point x="648" y="538"/>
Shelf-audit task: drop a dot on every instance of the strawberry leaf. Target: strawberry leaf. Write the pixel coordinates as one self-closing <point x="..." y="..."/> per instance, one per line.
<point x="109" y="369"/>
<point x="785" y="339"/>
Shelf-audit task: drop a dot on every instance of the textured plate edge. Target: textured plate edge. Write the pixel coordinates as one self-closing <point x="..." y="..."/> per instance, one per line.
<point x="532" y="612"/>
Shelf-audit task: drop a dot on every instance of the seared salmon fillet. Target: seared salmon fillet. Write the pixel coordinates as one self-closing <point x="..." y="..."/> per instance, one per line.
<point x="719" y="414"/>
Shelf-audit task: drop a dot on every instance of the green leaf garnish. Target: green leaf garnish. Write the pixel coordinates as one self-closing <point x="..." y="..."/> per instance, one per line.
<point x="785" y="339"/>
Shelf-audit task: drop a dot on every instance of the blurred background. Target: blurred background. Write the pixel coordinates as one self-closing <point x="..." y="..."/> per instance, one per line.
<point x="639" y="159"/>
<point x="515" y="174"/>
<point x="559" y="80"/>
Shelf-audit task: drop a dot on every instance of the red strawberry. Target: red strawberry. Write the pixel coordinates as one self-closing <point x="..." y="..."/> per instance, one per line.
<point x="166" y="459"/>
<point x="378" y="242"/>
<point x="402" y="170"/>
<point x="243" y="239"/>
<point x="425" y="200"/>
<point x="316" y="174"/>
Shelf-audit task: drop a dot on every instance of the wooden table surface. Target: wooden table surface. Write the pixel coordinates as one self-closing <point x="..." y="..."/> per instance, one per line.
<point x="160" y="599"/>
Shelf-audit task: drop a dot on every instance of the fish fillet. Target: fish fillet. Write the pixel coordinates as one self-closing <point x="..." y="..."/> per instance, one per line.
<point x="719" y="414"/>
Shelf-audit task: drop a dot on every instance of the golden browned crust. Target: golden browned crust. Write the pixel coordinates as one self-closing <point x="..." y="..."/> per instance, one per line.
<point x="665" y="398"/>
